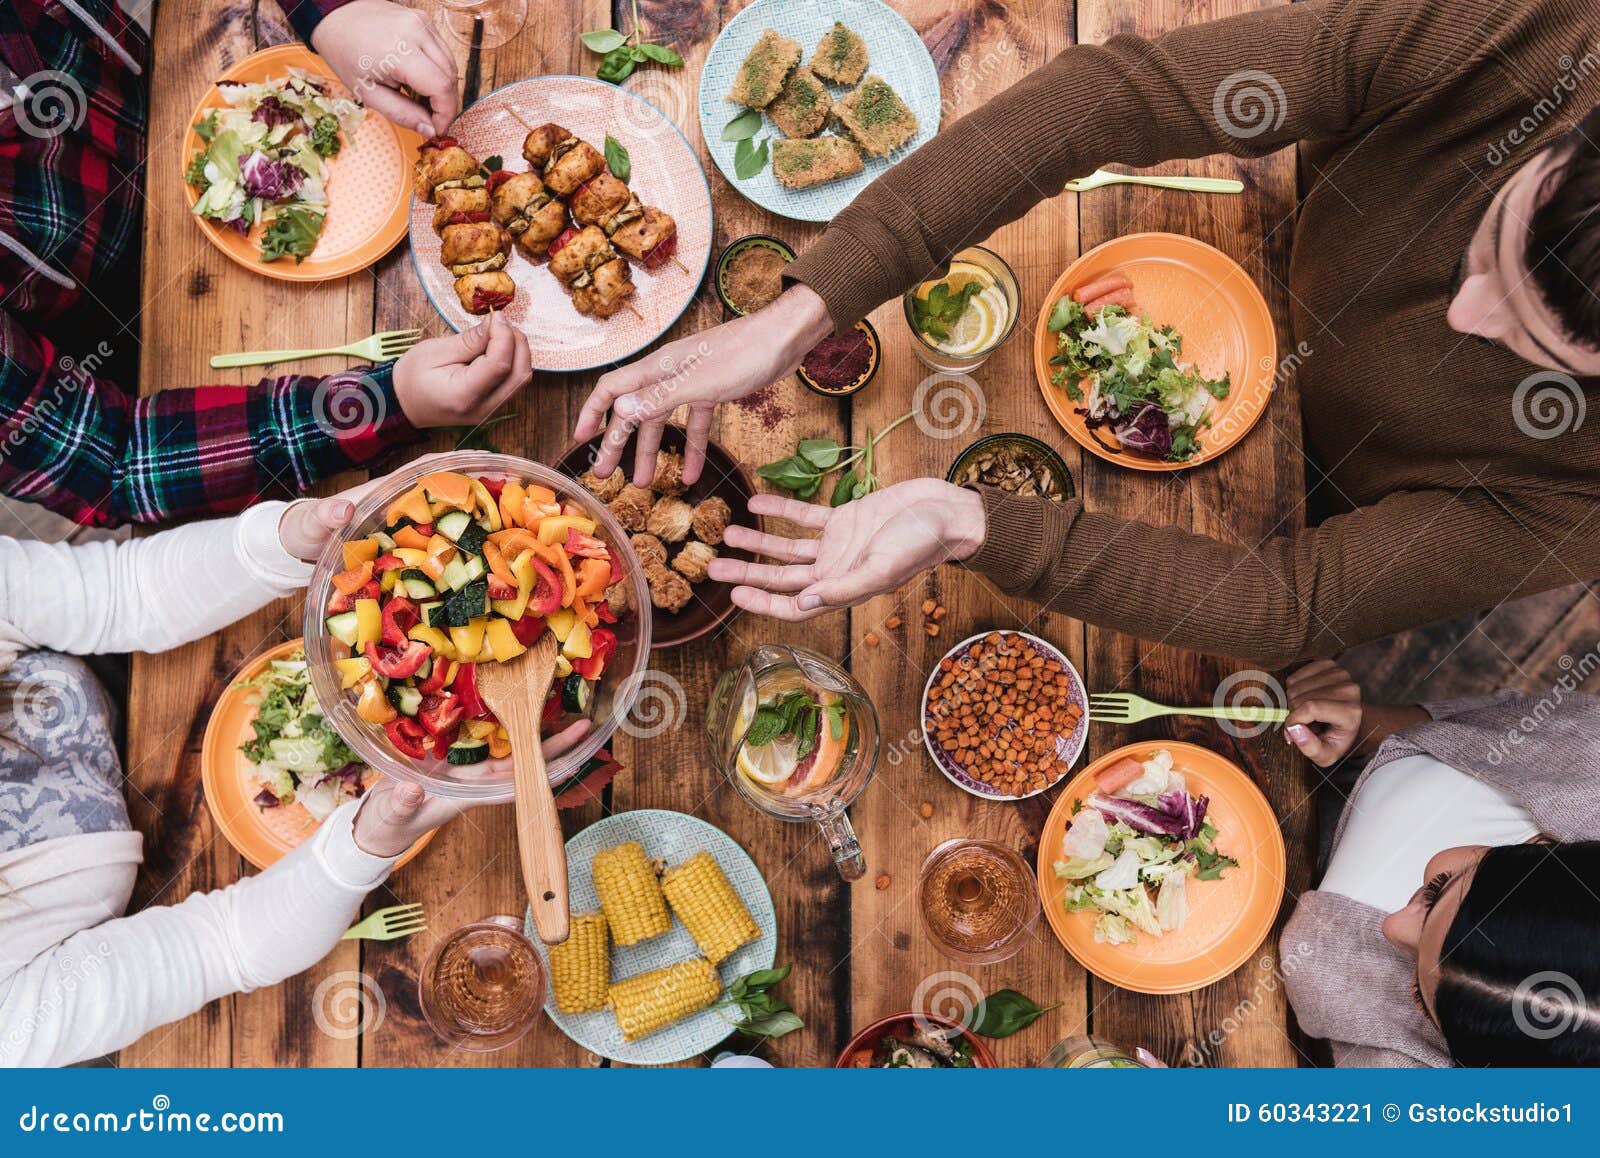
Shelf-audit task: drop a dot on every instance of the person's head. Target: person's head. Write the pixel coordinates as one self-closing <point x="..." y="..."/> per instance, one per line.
<point x="1530" y="279"/>
<point x="1505" y="945"/>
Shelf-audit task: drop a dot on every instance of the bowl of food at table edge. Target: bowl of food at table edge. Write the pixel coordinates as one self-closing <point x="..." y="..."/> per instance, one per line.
<point x="462" y="559"/>
<point x="272" y="766"/>
<point x="920" y="1041"/>
<point x="1034" y="735"/>
<point x="1155" y="351"/>
<point x="675" y="530"/>
<point x="1161" y="867"/>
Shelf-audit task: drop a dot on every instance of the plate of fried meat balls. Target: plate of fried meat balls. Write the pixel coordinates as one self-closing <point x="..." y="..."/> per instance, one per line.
<point x="676" y="530"/>
<point x="573" y="208"/>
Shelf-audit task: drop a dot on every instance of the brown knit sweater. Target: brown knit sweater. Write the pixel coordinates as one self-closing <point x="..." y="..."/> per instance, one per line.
<point x="1402" y="103"/>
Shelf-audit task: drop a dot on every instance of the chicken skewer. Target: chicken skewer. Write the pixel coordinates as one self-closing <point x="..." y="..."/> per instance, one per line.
<point x="598" y="280"/>
<point x="472" y="246"/>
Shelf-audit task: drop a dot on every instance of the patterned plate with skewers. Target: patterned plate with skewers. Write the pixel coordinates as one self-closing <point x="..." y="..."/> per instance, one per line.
<point x="666" y="174"/>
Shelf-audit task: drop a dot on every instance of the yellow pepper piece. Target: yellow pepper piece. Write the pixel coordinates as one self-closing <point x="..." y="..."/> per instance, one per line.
<point x="553" y="528"/>
<point x="522" y="572"/>
<point x="412" y="505"/>
<point x="450" y="487"/>
<point x="487" y="507"/>
<point x="434" y="638"/>
<point x="511" y="499"/>
<point x="410" y="556"/>
<point x="578" y="644"/>
<point x="374" y="706"/>
<point x="563" y="666"/>
<point x="469" y="639"/>
<point x="369" y="622"/>
<point x="389" y="578"/>
<point x="352" y="671"/>
<point x="359" y="551"/>
<point x="562" y="622"/>
<point x="502" y="642"/>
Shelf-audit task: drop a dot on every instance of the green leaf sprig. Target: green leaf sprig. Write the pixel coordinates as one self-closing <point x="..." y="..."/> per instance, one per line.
<point x="941" y="309"/>
<point x="796" y="714"/>
<point x="802" y="472"/>
<point x="1004" y="1012"/>
<point x="745" y="124"/>
<point x="617" y="159"/>
<point x="761" y="1013"/>
<point x="620" y="54"/>
<point x="749" y="157"/>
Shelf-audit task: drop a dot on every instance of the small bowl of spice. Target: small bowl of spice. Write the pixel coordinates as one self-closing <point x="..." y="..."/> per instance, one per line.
<point x="1016" y="463"/>
<point x="842" y="364"/>
<point x="750" y="272"/>
<point x="1004" y="715"/>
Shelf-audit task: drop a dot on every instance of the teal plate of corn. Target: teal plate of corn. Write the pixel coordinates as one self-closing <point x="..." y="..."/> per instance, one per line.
<point x="667" y="911"/>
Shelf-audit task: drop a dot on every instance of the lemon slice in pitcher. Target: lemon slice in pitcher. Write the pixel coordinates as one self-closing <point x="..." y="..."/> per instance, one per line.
<point x="770" y="765"/>
<point x="976" y="328"/>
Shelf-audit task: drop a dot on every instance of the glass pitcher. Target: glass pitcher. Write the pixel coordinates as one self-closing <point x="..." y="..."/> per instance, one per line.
<point x="817" y="741"/>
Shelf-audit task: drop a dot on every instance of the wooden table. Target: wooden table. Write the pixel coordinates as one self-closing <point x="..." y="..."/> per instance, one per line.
<point x="857" y="950"/>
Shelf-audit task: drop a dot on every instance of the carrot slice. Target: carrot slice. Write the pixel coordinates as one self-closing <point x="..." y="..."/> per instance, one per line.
<point x="1119" y="775"/>
<point x="349" y="582"/>
<point x="1108" y="284"/>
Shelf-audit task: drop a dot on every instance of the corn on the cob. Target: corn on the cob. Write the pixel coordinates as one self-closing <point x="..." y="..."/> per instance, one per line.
<point x="630" y="894"/>
<point x="705" y="902"/>
<point x="580" y="967"/>
<point x="654" y="1000"/>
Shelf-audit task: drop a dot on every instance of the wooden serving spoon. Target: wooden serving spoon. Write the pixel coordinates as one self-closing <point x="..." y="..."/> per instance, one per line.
<point x="515" y="692"/>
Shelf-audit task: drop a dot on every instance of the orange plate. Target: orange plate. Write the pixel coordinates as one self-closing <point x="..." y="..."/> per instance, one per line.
<point x="369" y="182"/>
<point x="225" y="773"/>
<point x="1228" y="918"/>
<point x="1210" y="300"/>
<point x="666" y="173"/>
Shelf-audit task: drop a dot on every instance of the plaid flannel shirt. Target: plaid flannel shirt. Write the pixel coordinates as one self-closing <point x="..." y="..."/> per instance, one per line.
<point x="70" y="439"/>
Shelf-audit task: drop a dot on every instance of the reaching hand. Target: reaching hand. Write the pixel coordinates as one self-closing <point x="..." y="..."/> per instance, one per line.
<point x="867" y="547"/>
<point x="718" y="365"/>
<point x="1325" y="712"/>
<point x="461" y="379"/>
<point x="375" y="47"/>
<point x="394" y="815"/>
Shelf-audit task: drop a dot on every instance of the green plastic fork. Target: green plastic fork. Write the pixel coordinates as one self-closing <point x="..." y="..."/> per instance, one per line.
<point x="379" y="348"/>
<point x="388" y="924"/>
<point x="1188" y="184"/>
<point x="1126" y="708"/>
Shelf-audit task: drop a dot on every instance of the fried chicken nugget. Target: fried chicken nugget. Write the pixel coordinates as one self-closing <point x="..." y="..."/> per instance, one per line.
<point x="693" y="560"/>
<point x="619" y="599"/>
<point x="631" y="507"/>
<point x="669" y="473"/>
<point x="604" y="489"/>
<point x="669" y="519"/>
<point x="648" y="548"/>
<point x="669" y="590"/>
<point x="711" y="518"/>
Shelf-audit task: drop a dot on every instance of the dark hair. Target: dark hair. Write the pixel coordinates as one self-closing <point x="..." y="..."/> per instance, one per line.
<point x="1563" y="253"/>
<point x="1519" y="975"/>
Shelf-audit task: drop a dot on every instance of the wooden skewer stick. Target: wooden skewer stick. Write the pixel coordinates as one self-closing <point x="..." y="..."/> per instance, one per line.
<point x="516" y="116"/>
<point x="680" y="265"/>
<point x="629" y="307"/>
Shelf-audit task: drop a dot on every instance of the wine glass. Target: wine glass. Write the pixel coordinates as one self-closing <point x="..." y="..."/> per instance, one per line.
<point x="500" y="20"/>
<point x="483" y="988"/>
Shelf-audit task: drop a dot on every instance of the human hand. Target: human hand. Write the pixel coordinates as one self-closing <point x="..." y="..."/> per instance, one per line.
<point x="375" y="46"/>
<point x="867" y="547"/>
<point x="1325" y="712"/>
<point x="308" y="525"/>
<point x="718" y="365"/>
<point x="395" y="815"/>
<point x="461" y="379"/>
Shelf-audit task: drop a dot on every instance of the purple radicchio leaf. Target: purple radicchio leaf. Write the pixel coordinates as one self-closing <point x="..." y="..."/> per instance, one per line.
<point x="1137" y="816"/>
<point x="1191" y="810"/>
<point x="265" y="799"/>
<point x="272" y="112"/>
<point x="267" y="178"/>
<point x="1146" y="432"/>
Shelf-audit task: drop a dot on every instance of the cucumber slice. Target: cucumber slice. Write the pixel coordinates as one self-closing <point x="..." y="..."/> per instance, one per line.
<point x="385" y="542"/>
<point x="472" y="538"/>
<point x="452" y="524"/>
<point x="467" y="604"/>
<point x="476" y="567"/>
<point x="423" y="672"/>
<point x="343" y="627"/>
<point x="455" y="574"/>
<point x="432" y="614"/>
<point x="418" y="588"/>
<point x="467" y="752"/>
<point x="408" y="699"/>
<point x="576" y="694"/>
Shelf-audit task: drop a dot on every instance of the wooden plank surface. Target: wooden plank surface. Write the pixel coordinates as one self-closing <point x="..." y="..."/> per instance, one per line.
<point x="857" y="949"/>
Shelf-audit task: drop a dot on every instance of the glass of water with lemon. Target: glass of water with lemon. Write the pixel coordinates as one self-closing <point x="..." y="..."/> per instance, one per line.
<point x="798" y="737"/>
<point x="959" y="319"/>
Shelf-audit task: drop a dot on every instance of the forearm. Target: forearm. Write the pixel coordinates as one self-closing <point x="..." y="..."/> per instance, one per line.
<point x="305" y="15"/>
<point x="145" y="594"/>
<point x="1380" y="721"/>
<point x="107" y="986"/>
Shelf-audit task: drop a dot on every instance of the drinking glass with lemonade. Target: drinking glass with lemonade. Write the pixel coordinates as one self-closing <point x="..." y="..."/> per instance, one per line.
<point x="959" y="319"/>
<point x="798" y="737"/>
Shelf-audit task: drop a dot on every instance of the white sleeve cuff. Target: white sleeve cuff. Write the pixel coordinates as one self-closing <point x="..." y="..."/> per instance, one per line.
<point x="345" y="862"/>
<point x="261" y="550"/>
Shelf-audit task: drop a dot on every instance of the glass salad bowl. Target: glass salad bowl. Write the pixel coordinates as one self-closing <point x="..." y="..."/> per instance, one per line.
<point x="612" y="699"/>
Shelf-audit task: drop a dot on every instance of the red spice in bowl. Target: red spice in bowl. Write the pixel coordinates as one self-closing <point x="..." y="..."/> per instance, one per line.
<point x="842" y="363"/>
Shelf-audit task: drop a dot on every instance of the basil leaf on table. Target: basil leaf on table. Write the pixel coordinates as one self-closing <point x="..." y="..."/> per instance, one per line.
<point x="822" y="453"/>
<point x="1004" y="1012"/>
<point x="792" y="474"/>
<point x="765" y="978"/>
<point x="659" y="53"/>
<point x="749" y="158"/>
<point x="617" y="159"/>
<point x="844" y="490"/>
<point x="603" y="40"/>
<point x="616" y="66"/>
<point x="773" y="1025"/>
<point x="744" y="126"/>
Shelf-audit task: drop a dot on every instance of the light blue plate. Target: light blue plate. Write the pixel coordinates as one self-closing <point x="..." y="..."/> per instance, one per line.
<point x="894" y="52"/>
<point x="673" y="837"/>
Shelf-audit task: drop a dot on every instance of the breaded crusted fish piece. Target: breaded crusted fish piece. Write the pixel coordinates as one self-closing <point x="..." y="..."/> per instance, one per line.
<point x="803" y="107"/>
<point x="760" y="78"/>
<point x="876" y="117"/>
<point x="801" y="164"/>
<point x="841" y="55"/>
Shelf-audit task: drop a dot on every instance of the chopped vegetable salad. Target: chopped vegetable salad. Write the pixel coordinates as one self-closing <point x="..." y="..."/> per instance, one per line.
<point x="298" y="757"/>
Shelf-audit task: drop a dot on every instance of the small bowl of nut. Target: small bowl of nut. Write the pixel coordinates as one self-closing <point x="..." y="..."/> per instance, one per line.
<point x="1016" y="463"/>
